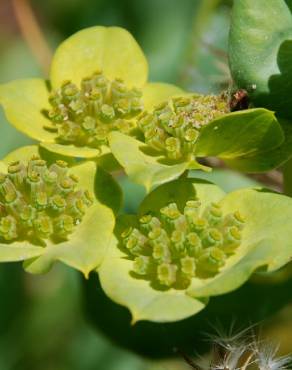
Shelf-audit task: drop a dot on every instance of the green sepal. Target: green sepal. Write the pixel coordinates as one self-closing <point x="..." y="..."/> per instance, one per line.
<point x="260" y="52"/>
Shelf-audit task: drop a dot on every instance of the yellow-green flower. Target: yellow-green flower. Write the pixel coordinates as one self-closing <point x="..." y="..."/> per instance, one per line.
<point x="98" y="84"/>
<point x="53" y="210"/>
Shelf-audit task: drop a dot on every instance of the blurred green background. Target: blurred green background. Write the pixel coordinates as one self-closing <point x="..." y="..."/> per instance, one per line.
<point x="41" y="320"/>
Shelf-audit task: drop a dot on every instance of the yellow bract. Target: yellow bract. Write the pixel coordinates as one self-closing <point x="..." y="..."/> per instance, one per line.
<point x="110" y="49"/>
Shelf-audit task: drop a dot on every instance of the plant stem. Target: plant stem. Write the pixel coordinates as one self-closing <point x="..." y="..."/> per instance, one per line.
<point x="32" y="33"/>
<point x="287" y="173"/>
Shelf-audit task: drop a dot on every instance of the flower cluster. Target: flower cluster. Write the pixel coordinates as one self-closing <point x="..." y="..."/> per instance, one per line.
<point x="174" y="247"/>
<point x="38" y="202"/>
<point x="173" y="127"/>
<point x="84" y="116"/>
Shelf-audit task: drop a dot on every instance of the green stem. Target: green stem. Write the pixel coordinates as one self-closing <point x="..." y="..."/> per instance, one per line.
<point x="287" y="173"/>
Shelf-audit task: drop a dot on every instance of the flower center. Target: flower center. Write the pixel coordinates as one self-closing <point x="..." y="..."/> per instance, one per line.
<point x="175" y="246"/>
<point x="38" y="202"/>
<point x="174" y="127"/>
<point x="84" y="116"/>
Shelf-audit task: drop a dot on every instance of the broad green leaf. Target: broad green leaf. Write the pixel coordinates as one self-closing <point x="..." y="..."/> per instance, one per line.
<point x="23" y="102"/>
<point x="155" y="93"/>
<point x="107" y="190"/>
<point x="142" y="168"/>
<point x="110" y="49"/>
<point x="260" y="52"/>
<point x="144" y="302"/>
<point x="266" y="161"/>
<point x="266" y="240"/>
<point x="240" y="133"/>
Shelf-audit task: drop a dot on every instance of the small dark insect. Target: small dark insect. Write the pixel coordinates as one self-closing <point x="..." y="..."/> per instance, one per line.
<point x="239" y="100"/>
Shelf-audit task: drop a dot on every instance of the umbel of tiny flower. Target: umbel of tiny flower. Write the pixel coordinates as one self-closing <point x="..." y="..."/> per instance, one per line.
<point x="98" y="84"/>
<point x="48" y="209"/>
<point x="38" y="202"/>
<point x="175" y="246"/>
<point x="189" y="242"/>
<point x="183" y="128"/>
<point x="173" y="127"/>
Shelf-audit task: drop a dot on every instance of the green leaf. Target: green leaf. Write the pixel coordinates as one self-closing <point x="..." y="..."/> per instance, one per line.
<point x="266" y="161"/>
<point x="260" y="52"/>
<point x="107" y="190"/>
<point x="266" y="240"/>
<point x="110" y="49"/>
<point x="23" y="102"/>
<point x="155" y="93"/>
<point x="142" y="168"/>
<point x="240" y="133"/>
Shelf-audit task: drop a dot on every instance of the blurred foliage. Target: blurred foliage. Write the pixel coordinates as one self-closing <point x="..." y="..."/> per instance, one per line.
<point x="41" y="318"/>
